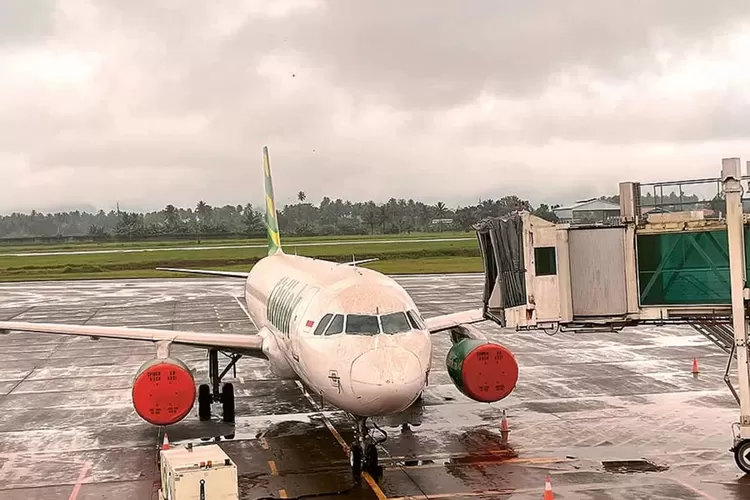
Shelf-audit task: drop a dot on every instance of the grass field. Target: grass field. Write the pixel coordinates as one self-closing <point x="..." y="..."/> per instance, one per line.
<point x="403" y="257"/>
<point x="287" y="240"/>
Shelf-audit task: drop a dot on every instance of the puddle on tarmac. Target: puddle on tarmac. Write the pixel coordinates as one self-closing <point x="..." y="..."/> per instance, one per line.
<point x="632" y="466"/>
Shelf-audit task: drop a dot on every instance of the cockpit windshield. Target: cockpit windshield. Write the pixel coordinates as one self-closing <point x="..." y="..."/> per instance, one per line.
<point x="362" y="324"/>
<point x="367" y="324"/>
<point x="395" y="323"/>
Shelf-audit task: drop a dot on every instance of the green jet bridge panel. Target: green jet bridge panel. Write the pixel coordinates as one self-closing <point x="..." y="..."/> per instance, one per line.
<point x="685" y="268"/>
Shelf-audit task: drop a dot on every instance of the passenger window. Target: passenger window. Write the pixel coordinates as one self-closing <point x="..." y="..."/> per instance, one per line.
<point x="395" y="323"/>
<point x="415" y="321"/>
<point x="323" y="324"/>
<point x="337" y="325"/>
<point x="362" y="324"/>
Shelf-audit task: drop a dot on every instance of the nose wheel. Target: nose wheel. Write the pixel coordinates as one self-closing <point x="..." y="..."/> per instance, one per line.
<point x="363" y="452"/>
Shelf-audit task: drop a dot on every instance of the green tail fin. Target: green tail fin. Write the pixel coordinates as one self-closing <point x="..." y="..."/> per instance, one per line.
<point x="272" y="221"/>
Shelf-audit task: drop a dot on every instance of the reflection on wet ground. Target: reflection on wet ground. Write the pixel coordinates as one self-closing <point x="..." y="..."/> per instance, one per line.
<point x="605" y="416"/>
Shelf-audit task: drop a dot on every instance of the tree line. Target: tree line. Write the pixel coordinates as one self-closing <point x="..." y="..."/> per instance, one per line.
<point x="329" y="217"/>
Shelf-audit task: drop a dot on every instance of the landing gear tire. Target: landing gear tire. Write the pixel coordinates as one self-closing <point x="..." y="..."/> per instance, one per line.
<point x="204" y="402"/>
<point x="742" y="455"/>
<point x="371" y="462"/>
<point x="355" y="461"/>
<point x="227" y="402"/>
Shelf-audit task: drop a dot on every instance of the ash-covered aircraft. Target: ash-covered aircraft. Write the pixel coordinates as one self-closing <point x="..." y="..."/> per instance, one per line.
<point x="352" y="336"/>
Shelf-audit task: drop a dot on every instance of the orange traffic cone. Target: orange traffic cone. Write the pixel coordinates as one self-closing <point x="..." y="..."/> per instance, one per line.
<point x="165" y="443"/>
<point x="548" y="494"/>
<point x="695" y="366"/>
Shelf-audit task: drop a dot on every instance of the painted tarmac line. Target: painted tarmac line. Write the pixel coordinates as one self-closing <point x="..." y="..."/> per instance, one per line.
<point x="244" y="310"/>
<point x="499" y="461"/>
<point x="436" y="496"/>
<point x="693" y="489"/>
<point x="326" y="420"/>
<point x="79" y="482"/>
<point x="283" y="494"/>
<point x="366" y="476"/>
<point x="374" y="486"/>
<point x="272" y="466"/>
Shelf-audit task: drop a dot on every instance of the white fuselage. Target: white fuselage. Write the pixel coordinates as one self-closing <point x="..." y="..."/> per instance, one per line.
<point x="371" y="356"/>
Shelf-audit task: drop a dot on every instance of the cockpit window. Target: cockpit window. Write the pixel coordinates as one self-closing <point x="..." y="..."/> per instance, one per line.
<point x="367" y="324"/>
<point x="323" y="324"/>
<point x="362" y="324"/>
<point x="395" y="323"/>
<point x="337" y="325"/>
<point x="415" y="320"/>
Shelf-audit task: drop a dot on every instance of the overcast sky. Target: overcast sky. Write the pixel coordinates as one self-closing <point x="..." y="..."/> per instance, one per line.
<point x="156" y="102"/>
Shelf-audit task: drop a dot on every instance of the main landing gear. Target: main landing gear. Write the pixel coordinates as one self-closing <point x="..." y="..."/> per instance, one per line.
<point x="208" y="394"/>
<point x="363" y="452"/>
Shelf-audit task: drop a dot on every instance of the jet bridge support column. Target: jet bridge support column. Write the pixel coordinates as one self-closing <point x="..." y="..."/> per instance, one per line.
<point x="731" y="175"/>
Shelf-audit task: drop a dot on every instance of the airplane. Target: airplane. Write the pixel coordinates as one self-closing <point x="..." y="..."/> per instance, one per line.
<point x="351" y="335"/>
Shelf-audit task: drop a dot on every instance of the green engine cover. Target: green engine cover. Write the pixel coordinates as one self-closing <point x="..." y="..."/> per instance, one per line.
<point x="482" y="370"/>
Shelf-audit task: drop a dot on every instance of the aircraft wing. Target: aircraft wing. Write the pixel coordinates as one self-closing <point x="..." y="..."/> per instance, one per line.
<point x="227" y="341"/>
<point x="230" y="274"/>
<point x="447" y="321"/>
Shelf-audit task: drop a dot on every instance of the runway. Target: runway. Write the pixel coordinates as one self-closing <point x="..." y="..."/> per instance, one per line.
<point x="613" y="416"/>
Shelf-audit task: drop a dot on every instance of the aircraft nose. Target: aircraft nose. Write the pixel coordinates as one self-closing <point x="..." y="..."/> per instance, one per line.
<point x="386" y="380"/>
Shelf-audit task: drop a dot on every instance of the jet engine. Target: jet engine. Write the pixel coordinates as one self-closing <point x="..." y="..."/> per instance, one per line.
<point x="163" y="391"/>
<point x="482" y="370"/>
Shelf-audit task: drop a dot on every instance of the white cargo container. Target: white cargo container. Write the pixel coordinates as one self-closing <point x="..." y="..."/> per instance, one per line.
<point x="201" y="472"/>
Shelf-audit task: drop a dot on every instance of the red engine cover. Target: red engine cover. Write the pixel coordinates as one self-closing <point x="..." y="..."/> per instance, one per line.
<point x="163" y="391"/>
<point x="490" y="373"/>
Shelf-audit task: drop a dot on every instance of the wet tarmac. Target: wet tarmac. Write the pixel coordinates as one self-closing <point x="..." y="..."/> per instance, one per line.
<point x="605" y="415"/>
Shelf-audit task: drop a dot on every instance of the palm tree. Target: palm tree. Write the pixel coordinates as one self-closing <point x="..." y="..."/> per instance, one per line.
<point x="171" y="217"/>
<point x="301" y="196"/>
<point x="440" y="213"/>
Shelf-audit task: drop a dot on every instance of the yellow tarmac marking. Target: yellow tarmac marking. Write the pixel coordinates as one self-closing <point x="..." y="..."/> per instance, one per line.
<point x="367" y="477"/>
<point x="375" y="488"/>
<point x="283" y="494"/>
<point x="274" y="470"/>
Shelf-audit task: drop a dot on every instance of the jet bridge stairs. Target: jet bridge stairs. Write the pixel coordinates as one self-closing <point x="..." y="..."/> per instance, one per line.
<point x="649" y="266"/>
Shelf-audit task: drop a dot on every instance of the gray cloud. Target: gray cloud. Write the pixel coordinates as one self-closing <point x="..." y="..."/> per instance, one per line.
<point x="24" y="21"/>
<point x="149" y="103"/>
<point x="427" y="53"/>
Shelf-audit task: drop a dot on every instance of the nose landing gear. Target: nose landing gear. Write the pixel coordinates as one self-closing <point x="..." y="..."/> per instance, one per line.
<point x="363" y="452"/>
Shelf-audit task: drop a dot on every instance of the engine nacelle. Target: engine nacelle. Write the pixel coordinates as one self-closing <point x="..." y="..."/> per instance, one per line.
<point x="163" y="391"/>
<point x="482" y="370"/>
<point x="460" y="332"/>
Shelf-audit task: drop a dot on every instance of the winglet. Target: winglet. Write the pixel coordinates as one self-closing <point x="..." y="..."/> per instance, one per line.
<point x="272" y="221"/>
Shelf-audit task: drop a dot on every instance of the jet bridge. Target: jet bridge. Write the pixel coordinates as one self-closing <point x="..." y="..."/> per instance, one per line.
<point x="679" y="261"/>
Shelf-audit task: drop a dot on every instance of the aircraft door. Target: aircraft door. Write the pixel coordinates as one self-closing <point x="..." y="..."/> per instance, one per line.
<point x="299" y="320"/>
